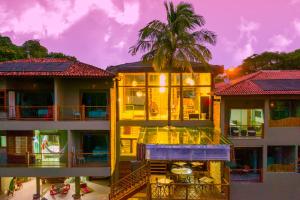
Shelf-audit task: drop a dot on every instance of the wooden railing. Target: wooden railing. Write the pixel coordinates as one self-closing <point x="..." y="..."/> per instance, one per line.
<point x="77" y="112"/>
<point x="29" y="113"/>
<point x="286" y="122"/>
<point x="131" y="183"/>
<point x="35" y="160"/>
<point x="281" y="168"/>
<point x="90" y="159"/>
<point x="191" y="191"/>
<point x="247" y="175"/>
<point x="246" y="131"/>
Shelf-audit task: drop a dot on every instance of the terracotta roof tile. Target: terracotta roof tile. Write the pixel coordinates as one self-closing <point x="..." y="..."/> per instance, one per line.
<point x="246" y="85"/>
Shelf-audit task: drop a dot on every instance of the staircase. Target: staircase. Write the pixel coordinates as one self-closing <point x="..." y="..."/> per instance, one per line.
<point x="134" y="182"/>
<point x="158" y="167"/>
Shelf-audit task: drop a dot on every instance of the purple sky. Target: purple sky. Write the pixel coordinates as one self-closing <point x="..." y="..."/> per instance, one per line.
<point x="99" y="32"/>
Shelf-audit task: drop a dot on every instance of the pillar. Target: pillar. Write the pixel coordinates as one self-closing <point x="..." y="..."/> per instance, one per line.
<point x="38" y="189"/>
<point x="77" y="188"/>
<point x="70" y="150"/>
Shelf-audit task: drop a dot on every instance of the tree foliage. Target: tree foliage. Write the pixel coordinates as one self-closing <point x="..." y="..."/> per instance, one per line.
<point x="30" y="48"/>
<point x="176" y="43"/>
<point x="271" y="61"/>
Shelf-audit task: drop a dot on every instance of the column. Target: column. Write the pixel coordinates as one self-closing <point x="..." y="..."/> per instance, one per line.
<point x="56" y="99"/>
<point x="38" y="189"/>
<point x="77" y="188"/>
<point x="70" y="150"/>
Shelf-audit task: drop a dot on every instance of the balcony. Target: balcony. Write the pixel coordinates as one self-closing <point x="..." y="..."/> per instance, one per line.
<point x="281" y="168"/>
<point x="246" y="131"/>
<point x="34" y="160"/>
<point x="246" y="175"/>
<point x="99" y="159"/>
<point x="28" y="113"/>
<point x="83" y="112"/>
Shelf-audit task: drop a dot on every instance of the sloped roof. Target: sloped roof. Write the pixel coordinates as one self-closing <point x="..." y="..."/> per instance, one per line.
<point x="51" y="67"/>
<point x="147" y="67"/>
<point x="265" y="82"/>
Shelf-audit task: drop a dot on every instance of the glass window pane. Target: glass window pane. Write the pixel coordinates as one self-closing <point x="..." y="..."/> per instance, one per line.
<point x="158" y="79"/>
<point x="188" y="79"/>
<point x="175" y="103"/>
<point x="175" y="77"/>
<point x="158" y="103"/>
<point x="204" y="79"/>
<point x="196" y="102"/>
<point x="129" y="136"/>
<point x="132" y="103"/>
<point x="246" y="122"/>
<point x="2" y="141"/>
<point x="281" y="158"/>
<point x="132" y="79"/>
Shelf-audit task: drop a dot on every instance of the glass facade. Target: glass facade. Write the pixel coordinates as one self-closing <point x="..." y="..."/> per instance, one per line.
<point x="142" y="93"/>
<point x="128" y="140"/>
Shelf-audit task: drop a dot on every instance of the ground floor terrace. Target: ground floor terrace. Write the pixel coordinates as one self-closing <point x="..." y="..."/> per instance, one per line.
<point x="90" y="188"/>
<point x="176" y="163"/>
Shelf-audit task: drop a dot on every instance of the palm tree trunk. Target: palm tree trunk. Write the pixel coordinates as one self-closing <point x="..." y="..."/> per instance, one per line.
<point x="169" y="98"/>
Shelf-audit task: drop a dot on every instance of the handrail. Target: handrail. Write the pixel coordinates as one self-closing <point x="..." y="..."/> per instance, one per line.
<point x="129" y="183"/>
<point x="193" y="191"/>
<point x="24" y="112"/>
<point x="83" y="112"/>
<point x="90" y="159"/>
<point x="242" y="175"/>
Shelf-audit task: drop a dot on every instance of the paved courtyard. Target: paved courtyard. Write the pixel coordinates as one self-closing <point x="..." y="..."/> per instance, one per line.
<point x="100" y="191"/>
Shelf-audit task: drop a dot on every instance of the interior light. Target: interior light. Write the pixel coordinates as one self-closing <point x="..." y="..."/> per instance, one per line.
<point x="139" y="93"/>
<point x="190" y="81"/>
<point x="162" y="80"/>
<point x="162" y="89"/>
<point x="134" y="83"/>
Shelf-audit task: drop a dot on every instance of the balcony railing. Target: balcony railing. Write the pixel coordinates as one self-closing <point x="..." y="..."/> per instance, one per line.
<point x="83" y="112"/>
<point x="181" y="191"/>
<point x="286" y="122"/>
<point x="281" y="168"/>
<point x="28" y="113"/>
<point x="251" y="131"/>
<point x="34" y="160"/>
<point x="90" y="159"/>
<point x="246" y="175"/>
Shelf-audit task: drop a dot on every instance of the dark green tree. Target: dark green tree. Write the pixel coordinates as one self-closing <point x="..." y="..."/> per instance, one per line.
<point x="34" y="49"/>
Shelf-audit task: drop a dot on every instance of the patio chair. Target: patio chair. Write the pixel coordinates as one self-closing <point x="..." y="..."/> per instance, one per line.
<point x="234" y="131"/>
<point x="251" y="131"/>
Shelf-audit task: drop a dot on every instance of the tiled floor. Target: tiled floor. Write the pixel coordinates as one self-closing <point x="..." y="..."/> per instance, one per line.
<point x="100" y="191"/>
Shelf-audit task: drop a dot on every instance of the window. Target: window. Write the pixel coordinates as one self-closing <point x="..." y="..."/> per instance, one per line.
<point x="95" y="104"/>
<point x="246" y="122"/>
<point x="3" y="141"/>
<point x="132" y="79"/>
<point x="158" y="103"/>
<point x="196" y="103"/>
<point x="2" y="101"/>
<point x="175" y="103"/>
<point x="21" y="144"/>
<point x="281" y="109"/>
<point x="247" y="165"/>
<point x="132" y="102"/>
<point x="132" y="96"/>
<point x="281" y="158"/>
<point x="129" y="136"/>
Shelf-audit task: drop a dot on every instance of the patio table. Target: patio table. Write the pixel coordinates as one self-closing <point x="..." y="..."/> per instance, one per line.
<point x="165" y="181"/>
<point x="181" y="164"/>
<point x="181" y="171"/>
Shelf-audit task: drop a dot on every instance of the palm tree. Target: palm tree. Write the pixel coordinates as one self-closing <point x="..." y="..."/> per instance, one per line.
<point x="176" y="43"/>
